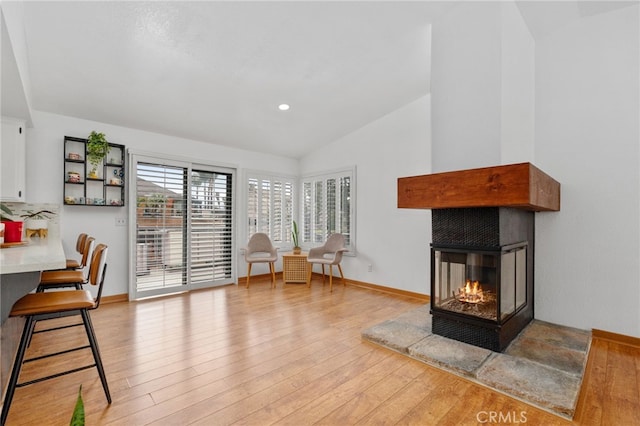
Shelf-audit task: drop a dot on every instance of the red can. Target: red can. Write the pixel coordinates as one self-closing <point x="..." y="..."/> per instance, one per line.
<point x="12" y="232"/>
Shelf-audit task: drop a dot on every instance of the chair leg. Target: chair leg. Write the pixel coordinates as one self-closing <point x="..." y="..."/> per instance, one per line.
<point x="93" y="342"/>
<point x="309" y="272"/>
<point x="322" y="273"/>
<point x="272" y="268"/>
<point x="330" y="278"/>
<point x="248" y="273"/>
<point x="17" y="366"/>
<point x="33" y="327"/>
<point x="344" y="283"/>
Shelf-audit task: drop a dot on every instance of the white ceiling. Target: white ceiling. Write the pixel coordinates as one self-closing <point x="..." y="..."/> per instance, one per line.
<point x="216" y="71"/>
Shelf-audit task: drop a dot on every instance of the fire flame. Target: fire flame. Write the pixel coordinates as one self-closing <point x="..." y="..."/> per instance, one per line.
<point x="471" y="292"/>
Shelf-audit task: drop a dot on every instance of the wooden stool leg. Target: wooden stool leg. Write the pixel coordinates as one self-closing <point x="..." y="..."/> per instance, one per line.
<point x="17" y="366"/>
<point x="96" y="352"/>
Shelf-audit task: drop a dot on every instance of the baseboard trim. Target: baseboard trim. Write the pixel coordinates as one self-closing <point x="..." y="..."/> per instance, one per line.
<point x="115" y="298"/>
<point x="615" y="337"/>
<point x="242" y="280"/>
<point x="424" y="297"/>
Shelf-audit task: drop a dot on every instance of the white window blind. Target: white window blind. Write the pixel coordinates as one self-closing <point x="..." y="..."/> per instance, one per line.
<point x="160" y="192"/>
<point x="270" y="206"/>
<point x="211" y="226"/>
<point x="327" y="207"/>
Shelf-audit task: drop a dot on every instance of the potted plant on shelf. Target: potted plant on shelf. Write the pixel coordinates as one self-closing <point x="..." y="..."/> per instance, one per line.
<point x="97" y="149"/>
<point x="294" y="237"/>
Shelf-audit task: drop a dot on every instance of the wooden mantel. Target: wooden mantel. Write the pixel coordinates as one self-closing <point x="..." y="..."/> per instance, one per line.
<point x="515" y="185"/>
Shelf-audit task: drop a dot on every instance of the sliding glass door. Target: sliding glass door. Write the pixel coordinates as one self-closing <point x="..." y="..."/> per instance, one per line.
<point x="211" y="231"/>
<point x="183" y="226"/>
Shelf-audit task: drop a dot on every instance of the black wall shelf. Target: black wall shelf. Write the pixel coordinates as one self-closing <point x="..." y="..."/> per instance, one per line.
<point x="103" y="186"/>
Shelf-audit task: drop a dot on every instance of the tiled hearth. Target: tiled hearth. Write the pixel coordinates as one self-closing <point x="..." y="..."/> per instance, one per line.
<point x="543" y="366"/>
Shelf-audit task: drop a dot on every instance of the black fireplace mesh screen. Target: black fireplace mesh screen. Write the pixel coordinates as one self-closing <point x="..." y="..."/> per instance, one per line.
<point x="466" y="227"/>
<point x="463" y="331"/>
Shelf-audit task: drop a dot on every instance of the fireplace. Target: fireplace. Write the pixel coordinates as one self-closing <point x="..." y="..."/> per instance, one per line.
<point x="482" y="253"/>
<point x="482" y="274"/>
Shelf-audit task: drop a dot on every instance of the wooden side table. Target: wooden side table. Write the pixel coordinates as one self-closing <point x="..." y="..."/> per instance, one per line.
<point x="294" y="268"/>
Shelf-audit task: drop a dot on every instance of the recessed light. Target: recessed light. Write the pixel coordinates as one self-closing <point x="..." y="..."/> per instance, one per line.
<point x="283" y="107"/>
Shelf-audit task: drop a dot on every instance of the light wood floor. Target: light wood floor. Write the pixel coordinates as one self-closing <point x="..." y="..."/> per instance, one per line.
<point x="290" y="356"/>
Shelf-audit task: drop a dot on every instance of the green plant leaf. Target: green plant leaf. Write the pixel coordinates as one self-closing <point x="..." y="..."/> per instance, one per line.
<point x="294" y="234"/>
<point x="78" y="412"/>
<point x="97" y="148"/>
<point x="6" y="213"/>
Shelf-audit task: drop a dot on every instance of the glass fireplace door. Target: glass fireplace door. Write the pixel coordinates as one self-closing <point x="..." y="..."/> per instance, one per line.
<point x="513" y="277"/>
<point x="487" y="284"/>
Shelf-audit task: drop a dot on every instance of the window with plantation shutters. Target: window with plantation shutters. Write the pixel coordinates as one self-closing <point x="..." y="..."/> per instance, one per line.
<point x="327" y="207"/>
<point x="270" y="207"/>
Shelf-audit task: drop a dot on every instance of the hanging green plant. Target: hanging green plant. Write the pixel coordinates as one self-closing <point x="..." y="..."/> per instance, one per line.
<point x="97" y="149"/>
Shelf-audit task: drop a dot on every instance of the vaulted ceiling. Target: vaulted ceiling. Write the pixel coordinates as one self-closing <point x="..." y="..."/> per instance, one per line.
<point x="217" y="71"/>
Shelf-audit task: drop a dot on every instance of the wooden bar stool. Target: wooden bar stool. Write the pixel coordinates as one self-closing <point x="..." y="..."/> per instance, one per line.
<point x="73" y="263"/>
<point x="40" y="306"/>
<point x="68" y="277"/>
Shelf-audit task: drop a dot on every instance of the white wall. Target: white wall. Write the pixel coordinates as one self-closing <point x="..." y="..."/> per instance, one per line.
<point x="482" y="87"/>
<point x="587" y="137"/>
<point x="45" y="175"/>
<point x="394" y="241"/>
<point x="517" y="121"/>
<point x="466" y="87"/>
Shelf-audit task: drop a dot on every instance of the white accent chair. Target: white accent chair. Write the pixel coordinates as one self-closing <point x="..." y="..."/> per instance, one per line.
<point x="261" y="250"/>
<point x="328" y="254"/>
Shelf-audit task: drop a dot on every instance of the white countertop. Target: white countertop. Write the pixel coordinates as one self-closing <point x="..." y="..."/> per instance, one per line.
<point x="37" y="255"/>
